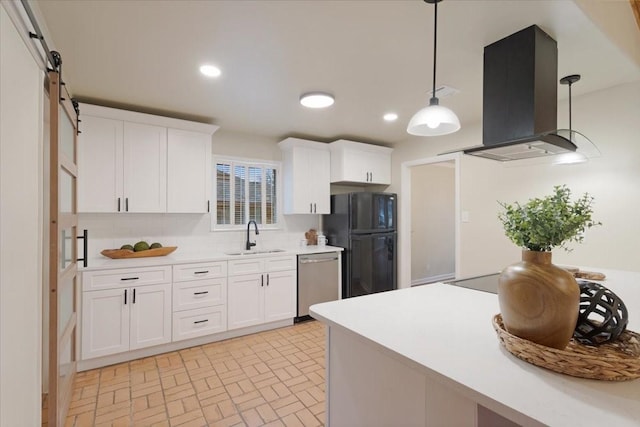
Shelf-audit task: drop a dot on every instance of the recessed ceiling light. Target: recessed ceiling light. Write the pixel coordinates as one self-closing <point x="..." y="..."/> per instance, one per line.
<point x="210" y="70"/>
<point x="390" y="117"/>
<point x="316" y="100"/>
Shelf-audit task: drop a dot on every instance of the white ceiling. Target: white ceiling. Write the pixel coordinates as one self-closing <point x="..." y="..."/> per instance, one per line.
<point x="374" y="56"/>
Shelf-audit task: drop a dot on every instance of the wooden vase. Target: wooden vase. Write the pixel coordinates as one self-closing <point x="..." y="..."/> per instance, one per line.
<point x="539" y="301"/>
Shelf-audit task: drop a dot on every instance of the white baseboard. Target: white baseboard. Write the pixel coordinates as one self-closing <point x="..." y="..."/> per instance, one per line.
<point x="433" y="279"/>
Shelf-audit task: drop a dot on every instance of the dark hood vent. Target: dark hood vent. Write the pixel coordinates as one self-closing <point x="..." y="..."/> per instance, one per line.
<point x="520" y="96"/>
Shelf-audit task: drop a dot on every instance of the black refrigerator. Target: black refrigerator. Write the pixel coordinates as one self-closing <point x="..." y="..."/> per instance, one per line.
<point x="364" y="224"/>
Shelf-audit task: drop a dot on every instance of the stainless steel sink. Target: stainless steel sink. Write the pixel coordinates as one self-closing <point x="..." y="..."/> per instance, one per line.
<point x="258" y="252"/>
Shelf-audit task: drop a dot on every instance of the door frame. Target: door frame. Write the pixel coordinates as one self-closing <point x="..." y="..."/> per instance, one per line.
<point x="404" y="229"/>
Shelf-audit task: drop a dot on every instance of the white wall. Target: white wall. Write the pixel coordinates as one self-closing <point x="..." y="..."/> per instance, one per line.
<point x="432" y="222"/>
<point x="20" y="230"/>
<point x="611" y="119"/>
<point x="191" y="232"/>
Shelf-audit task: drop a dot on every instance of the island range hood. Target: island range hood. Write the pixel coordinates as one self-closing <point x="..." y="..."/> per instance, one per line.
<point x="520" y="96"/>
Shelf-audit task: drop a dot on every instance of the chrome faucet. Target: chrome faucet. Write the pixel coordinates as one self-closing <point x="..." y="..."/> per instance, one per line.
<point x="249" y="243"/>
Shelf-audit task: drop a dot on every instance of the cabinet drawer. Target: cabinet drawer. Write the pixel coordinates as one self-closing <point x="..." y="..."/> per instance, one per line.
<point x="199" y="322"/>
<point x="199" y="294"/>
<point x="203" y="270"/>
<point x="125" y="277"/>
<point x="280" y="263"/>
<point x="246" y="266"/>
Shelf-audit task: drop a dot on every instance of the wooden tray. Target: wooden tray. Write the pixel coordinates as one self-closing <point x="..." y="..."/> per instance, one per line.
<point x="127" y="253"/>
<point x="618" y="360"/>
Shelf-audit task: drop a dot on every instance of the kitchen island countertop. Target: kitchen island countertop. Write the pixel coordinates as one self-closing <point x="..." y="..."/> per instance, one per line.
<point x="445" y="333"/>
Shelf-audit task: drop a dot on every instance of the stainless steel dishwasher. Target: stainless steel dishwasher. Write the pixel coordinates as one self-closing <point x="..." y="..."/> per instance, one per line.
<point x="318" y="281"/>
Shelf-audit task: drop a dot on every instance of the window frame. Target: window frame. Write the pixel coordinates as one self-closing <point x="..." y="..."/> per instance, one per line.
<point x="246" y="162"/>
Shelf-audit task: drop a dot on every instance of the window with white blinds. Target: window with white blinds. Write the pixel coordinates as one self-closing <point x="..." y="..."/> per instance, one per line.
<point x="244" y="191"/>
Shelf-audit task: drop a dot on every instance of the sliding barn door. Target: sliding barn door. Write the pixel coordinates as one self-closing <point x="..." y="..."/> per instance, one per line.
<point x="63" y="221"/>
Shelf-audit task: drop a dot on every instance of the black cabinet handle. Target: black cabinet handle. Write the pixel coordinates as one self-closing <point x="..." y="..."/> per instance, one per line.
<point x="85" y="247"/>
<point x="208" y="206"/>
<point x="134" y="295"/>
<point x="267" y="279"/>
<point x="262" y="280"/>
<point x="126" y="204"/>
<point x="314" y="208"/>
<point x="129" y="278"/>
<point x="310" y="207"/>
<point x="200" y="321"/>
<point x="125" y="297"/>
<point x="201" y="293"/>
<point x="201" y="272"/>
<point x="118" y="204"/>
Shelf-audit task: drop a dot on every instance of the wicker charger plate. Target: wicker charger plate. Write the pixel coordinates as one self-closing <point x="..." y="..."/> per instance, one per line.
<point x="615" y="361"/>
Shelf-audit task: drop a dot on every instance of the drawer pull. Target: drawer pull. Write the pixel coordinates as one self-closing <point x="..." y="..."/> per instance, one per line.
<point x="125" y="297"/>
<point x="129" y="278"/>
<point x="201" y="272"/>
<point x="201" y="293"/>
<point x="200" y="321"/>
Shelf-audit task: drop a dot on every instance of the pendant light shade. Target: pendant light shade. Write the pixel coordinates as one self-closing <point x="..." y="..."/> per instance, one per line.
<point x="434" y="119"/>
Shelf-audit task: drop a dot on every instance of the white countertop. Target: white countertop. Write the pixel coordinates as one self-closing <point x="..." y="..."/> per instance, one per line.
<point x="182" y="256"/>
<point x="446" y="332"/>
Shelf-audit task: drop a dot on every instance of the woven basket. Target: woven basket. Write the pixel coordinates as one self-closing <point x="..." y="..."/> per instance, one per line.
<point x="615" y="361"/>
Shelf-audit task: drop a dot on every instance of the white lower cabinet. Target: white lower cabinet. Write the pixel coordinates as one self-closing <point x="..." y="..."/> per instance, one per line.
<point x="126" y="318"/>
<point x="199" y="299"/>
<point x="261" y="297"/>
<point x="128" y="309"/>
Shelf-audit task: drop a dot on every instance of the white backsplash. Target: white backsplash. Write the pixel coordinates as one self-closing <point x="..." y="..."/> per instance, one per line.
<point x="190" y="232"/>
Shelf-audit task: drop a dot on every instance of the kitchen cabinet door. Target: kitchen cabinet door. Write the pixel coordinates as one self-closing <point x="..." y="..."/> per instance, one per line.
<point x="100" y="186"/>
<point x="150" y="311"/>
<point x="188" y="171"/>
<point x="358" y="163"/>
<point x="280" y="295"/>
<point x="105" y="322"/>
<point x="145" y="167"/>
<point x="245" y="300"/>
<point x="306" y="174"/>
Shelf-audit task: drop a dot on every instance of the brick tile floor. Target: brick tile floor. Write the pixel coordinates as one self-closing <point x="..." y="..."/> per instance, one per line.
<point x="273" y="378"/>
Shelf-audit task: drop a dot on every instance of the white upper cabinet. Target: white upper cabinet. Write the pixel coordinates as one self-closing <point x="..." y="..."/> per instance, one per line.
<point x="188" y="171"/>
<point x="100" y="165"/>
<point x="357" y="163"/>
<point x="135" y="162"/>
<point x="306" y="175"/>
<point x="145" y="168"/>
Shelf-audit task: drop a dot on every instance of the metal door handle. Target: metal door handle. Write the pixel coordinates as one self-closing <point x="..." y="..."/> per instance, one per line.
<point x="208" y="206"/>
<point x="118" y="204"/>
<point x="134" y="295"/>
<point x="314" y="208"/>
<point x="125" y="297"/>
<point x="314" y="261"/>
<point x="201" y="293"/>
<point x="200" y="321"/>
<point x="85" y="247"/>
<point x="201" y="272"/>
<point x="126" y="204"/>
<point x="129" y="278"/>
<point x="310" y="207"/>
<point x="262" y="280"/>
<point x="267" y="279"/>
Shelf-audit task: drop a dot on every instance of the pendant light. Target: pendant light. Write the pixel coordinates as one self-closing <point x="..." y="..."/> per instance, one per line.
<point x="434" y="119"/>
<point x="585" y="148"/>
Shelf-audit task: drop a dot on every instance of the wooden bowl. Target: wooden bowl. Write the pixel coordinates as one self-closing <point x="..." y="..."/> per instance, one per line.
<point x="127" y="253"/>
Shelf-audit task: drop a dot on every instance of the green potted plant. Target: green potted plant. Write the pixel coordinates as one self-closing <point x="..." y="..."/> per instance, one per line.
<point x="539" y="301"/>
